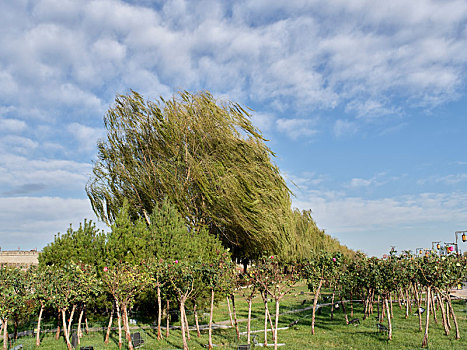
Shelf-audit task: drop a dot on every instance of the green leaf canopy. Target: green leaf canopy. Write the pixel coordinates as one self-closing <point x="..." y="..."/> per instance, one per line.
<point x="205" y="157"/>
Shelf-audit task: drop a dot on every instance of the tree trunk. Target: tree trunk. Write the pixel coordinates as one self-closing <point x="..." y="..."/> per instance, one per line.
<point x="448" y="314"/>
<point x="351" y="304"/>
<point x="167" y="330"/>
<point x="399" y="299"/>
<point x="383" y="309"/>
<point x="389" y="319"/>
<point x="211" y="311"/>
<point x="195" y="314"/>
<point x="372" y="301"/>
<point x="182" y="322"/>
<point x="86" y="320"/>
<point x="38" y="333"/>
<point x="332" y="302"/>
<point x="5" y="334"/>
<point x="71" y="319"/>
<point x="366" y="309"/>
<point x="57" y="333"/>
<point x="65" y="331"/>
<point x="80" y="318"/>
<point x="119" y="322"/>
<point x="380" y="314"/>
<point x="458" y="336"/>
<point x="15" y="326"/>
<point x="266" y="314"/>
<point x="276" y="323"/>
<point x="443" y="313"/>
<point x="410" y="300"/>
<point x="390" y="305"/>
<point x="427" y="321"/>
<point x="234" y="311"/>
<point x="433" y="307"/>
<point x="230" y="311"/>
<point x="187" y="328"/>
<point x="159" y="315"/>
<point x="315" y="302"/>
<point x="344" y="310"/>
<point x="417" y="299"/>
<point x="265" y="300"/>
<point x="127" y="327"/>
<point x="407" y="303"/>
<point x="248" y="325"/>
<point x="109" y="327"/>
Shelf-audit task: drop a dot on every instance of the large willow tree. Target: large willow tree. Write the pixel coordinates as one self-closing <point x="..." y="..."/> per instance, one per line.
<point x="206" y="157"/>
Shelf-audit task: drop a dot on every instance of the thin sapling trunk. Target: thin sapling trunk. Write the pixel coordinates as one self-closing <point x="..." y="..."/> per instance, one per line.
<point x="182" y="322"/>
<point x="427" y="320"/>
<point x="80" y="318"/>
<point x="71" y="318"/>
<point x="109" y="327"/>
<point x="127" y="327"/>
<point x="315" y="302"/>
<point x="167" y="330"/>
<point x="38" y="333"/>
<point x="57" y="333"/>
<point x="195" y="314"/>
<point x="211" y="311"/>
<point x="230" y="311"/>
<point x="159" y="312"/>
<point x="389" y="319"/>
<point x="235" y="316"/>
<point x="5" y="334"/>
<point x="119" y="322"/>
<point x="65" y="331"/>
<point x="458" y="336"/>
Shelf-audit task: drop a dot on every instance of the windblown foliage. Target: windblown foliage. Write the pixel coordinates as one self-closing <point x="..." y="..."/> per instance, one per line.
<point x="206" y="157"/>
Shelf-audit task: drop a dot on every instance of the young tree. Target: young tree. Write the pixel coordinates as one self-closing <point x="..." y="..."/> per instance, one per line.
<point x="64" y="283"/>
<point x="317" y="270"/>
<point x="12" y="296"/>
<point x="270" y="276"/>
<point x="42" y="288"/>
<point x="183" y="275"/>
<point x="218" y="276"/>
<point x="124" y="281"/>
<point x="85" y="245"/>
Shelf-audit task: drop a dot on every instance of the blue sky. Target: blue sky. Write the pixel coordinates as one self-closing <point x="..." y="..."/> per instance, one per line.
<point x="364" y="103"/>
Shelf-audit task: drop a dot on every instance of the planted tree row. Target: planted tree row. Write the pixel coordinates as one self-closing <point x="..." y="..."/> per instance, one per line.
<point x="68" y="288"/>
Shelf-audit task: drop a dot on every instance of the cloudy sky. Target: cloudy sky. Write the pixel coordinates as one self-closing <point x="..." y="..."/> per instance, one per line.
<point x="364" y="103"/>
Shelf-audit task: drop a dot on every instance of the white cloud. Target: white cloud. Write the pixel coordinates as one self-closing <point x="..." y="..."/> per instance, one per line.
<point x="17" y="144"/>
<point x="109" y="50"/>
<point x="55" y="175"/>
<point x="12" y="125"/>
<point x="338" y="213"/>
<point x="344" y="128"/>
<point x="304" y="182"/>
<point x="452" y="179"/>
<point x="86" y="136"/>
<point x="295" y="128"/>
<point x="263" y="121"/>
<point x="293" y="56"/>
<point x="32" y="222"/>
<point x="358" y="182"/>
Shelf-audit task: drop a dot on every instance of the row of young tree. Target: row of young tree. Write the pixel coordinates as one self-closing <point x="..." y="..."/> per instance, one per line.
<point x="199" y="283"/>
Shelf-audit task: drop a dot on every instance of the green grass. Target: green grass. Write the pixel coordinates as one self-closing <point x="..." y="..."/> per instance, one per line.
<point x="329" y="334"/>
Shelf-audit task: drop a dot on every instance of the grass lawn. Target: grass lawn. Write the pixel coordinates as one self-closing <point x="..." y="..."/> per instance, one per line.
<point x="329" y="334"/>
